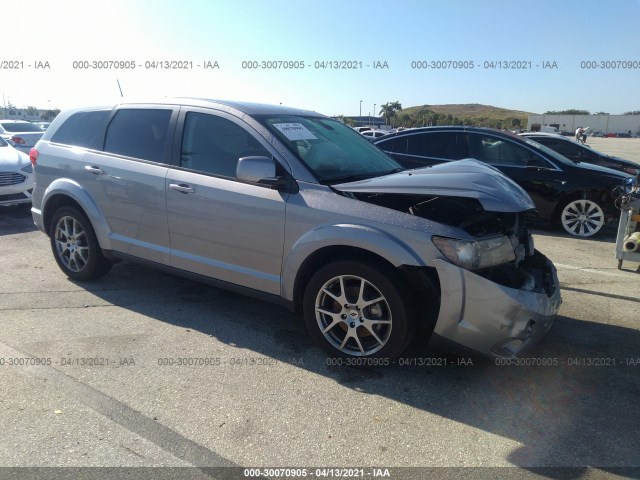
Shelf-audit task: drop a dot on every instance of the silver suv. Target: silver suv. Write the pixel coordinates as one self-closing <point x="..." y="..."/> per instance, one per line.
<point x="298" y="208"/>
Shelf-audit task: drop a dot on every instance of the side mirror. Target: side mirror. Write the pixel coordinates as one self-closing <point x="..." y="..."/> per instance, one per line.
<point x="10" y="142"/>
<point x="260" y="171"/>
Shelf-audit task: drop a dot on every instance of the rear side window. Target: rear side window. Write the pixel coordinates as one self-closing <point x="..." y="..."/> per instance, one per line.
<point x="139" y="133"/>
<point x="394" y="145"/>
<point x="443" y="145"/>
<point x="83" y="129"/>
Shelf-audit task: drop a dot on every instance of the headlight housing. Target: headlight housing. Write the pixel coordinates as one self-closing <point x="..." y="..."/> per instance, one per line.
<point x="27" y="169"/>
<point x="476" y="254"/>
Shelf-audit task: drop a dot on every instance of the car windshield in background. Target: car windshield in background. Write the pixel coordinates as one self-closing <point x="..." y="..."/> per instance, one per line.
<point x="334" y="152"/>
<point x="21" y="127"/>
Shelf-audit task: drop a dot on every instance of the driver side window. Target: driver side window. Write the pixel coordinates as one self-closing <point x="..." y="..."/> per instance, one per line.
<point x="213" y="145"/>
<point x="496" y="151"/>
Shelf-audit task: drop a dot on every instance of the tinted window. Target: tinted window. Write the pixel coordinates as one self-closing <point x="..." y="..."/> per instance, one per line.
<point x="446" y="145"/>
<point x="394" y="145"/>
<point x="83" y="129"/>
<point x="212" y="144"/>
<point x="497" y="151"/>
<point x="138" y="133"/>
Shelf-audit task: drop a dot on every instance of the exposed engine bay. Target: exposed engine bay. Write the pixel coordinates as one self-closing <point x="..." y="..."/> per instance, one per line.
<point x="464" y="213"/>
<point x="527" y="272"/>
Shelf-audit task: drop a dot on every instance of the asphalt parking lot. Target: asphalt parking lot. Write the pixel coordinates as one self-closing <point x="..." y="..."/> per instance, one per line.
<point x="143" y="369"/>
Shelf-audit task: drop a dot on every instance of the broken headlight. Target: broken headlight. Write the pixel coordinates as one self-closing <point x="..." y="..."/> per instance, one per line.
<point x="476" y="254"/>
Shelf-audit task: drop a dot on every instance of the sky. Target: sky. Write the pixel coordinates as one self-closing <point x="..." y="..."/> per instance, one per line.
<point x="568" y="37"/>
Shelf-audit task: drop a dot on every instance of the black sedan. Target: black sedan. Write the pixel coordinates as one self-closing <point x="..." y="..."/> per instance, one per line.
<point x="575" y="195"/>
<point x="582" y="153"/>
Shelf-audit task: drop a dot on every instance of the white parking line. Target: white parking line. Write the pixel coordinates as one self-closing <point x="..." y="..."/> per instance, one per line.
<point x="590" y="270"/>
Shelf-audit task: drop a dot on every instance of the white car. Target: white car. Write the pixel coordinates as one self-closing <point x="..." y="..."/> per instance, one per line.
<point x="16" y="175"/>
<point x="374" y="134"/>
<point x="24" y="134"/>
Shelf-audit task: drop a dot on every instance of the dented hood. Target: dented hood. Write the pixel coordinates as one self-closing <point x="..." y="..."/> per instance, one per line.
<point x="467" y="178"/>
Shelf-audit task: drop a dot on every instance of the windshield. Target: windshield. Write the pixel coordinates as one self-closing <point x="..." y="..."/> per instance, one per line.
<point x="3" y="143"/>
<point x="334" y="152"/>
<point x="15" y="127"/>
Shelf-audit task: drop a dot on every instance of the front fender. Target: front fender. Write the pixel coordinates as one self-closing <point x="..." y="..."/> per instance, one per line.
<point x="362" y="237"/>
<point x="72" y="189"/>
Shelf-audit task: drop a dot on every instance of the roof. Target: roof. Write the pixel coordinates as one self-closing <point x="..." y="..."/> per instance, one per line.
<point x="413" y="131"/>
<point x="248" y="108"/>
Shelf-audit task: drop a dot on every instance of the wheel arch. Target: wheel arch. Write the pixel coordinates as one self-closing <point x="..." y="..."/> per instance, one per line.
<point x="65" y="192"/>
<point x="421" y="282"/>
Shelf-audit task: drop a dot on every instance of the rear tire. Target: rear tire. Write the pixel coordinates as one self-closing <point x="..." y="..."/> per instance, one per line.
<point x="356" y="311"/>
<point x="75" y="246"/>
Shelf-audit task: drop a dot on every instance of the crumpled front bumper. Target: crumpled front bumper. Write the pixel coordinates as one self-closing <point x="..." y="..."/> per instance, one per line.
<point x="493" y="319"/>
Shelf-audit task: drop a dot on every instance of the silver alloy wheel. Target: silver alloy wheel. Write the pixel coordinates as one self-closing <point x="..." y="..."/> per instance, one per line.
<point x="582" y="218"/>
<point x="353" y="315"/>
<point x="71" y="244"/>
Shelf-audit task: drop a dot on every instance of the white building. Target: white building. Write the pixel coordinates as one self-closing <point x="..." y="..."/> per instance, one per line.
<point x="596" y="123"/>
<point x="15" y="113"/>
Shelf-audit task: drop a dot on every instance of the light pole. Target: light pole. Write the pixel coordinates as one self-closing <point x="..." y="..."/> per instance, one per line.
<point x="361" y="109"/>
<point x="374" y="110"/>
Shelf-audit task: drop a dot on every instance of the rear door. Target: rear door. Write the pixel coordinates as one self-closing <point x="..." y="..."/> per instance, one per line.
<point x="220" y="227"/>
<point x="127" y="179"/>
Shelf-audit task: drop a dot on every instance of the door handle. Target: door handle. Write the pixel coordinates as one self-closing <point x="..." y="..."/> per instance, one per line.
<point x="182" y="188"/>
<point x="93" y="169"/>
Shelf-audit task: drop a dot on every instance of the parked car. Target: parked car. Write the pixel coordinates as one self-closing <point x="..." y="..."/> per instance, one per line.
<point x="583" y="153"/>
<point x="575" y="195"/>
<point x="295" y="207"/>
<point x="373" y="134"/>
<point x="24" y="134"/>
<point x="16" y="175"/>
<point x="42" y="125"/>
<point x="610" y="135"/>
<point x="361" y="129"/>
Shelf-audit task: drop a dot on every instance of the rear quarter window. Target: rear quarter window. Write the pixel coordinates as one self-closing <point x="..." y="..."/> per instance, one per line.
<point x="83" y="129"/>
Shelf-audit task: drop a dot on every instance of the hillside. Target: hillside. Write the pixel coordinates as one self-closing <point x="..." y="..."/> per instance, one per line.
<point x="467" y="114"/>
<point x="467" y="110"/>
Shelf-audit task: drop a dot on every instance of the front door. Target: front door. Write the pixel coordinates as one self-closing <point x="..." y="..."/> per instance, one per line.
<point x="218" y="226"/>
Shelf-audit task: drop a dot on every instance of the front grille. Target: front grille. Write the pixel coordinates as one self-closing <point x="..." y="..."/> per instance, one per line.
<point x="15" y="196"/>
<point x="11" y="178"/>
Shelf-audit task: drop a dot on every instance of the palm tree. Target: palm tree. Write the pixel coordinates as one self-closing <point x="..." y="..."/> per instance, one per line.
<point x="388" y="110"/>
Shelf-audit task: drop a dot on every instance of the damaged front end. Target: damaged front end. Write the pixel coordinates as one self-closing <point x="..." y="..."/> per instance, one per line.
<point x="498" y="294"/>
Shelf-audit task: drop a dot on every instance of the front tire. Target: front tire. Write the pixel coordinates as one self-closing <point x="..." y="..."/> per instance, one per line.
<point x="582" y="218"/>
<point x="75" y="246"/>
<point x="354" y="310"/>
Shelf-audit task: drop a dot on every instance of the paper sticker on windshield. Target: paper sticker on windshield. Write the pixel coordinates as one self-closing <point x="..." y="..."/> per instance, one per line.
<point x="295" y="131"/>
